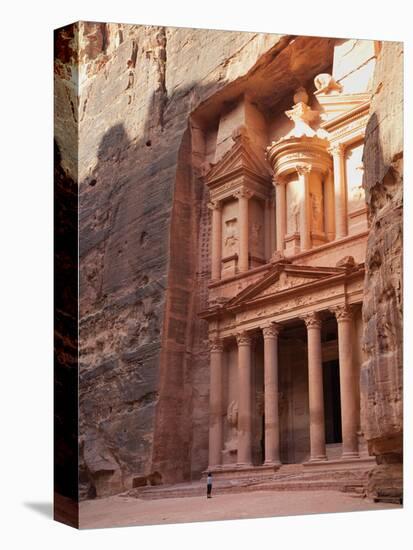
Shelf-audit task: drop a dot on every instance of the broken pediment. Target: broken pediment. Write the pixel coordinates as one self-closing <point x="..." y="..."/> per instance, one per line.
<point x="242" y="159"/>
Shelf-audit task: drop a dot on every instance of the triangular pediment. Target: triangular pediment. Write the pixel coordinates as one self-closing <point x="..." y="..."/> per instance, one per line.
<point x="242" y="157"/>
<point x="281" y="278"/>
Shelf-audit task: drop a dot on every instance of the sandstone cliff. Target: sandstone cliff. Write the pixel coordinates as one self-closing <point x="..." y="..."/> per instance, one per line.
<point x="381" y="375"/>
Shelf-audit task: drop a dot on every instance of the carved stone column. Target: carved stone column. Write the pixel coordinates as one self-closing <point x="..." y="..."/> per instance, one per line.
<point x="272" y="427"/>
<point x="244" y="400"/>
<point x="304" y="178"/>
<point x="215" y="403"/>
<point x="216" y="242"/>
<point x="329" y="206"/>
<point x="349" y="394"/>
<point x="340" y="190"/>
<point x="281" y="212"/>
<point x="315" y="387"/>
<point x="243" y="196"/>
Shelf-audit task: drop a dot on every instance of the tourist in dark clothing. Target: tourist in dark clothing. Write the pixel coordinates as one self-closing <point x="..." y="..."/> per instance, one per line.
<point x="209" y="484"/>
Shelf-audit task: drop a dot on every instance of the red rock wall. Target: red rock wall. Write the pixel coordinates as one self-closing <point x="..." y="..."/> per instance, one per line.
<point x="381" y="373"/>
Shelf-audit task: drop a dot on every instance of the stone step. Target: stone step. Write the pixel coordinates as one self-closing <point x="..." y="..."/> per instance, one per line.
<point x="280" y="484"/>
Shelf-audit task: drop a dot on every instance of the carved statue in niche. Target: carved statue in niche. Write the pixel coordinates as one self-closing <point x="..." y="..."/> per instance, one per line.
<point x="231" y="445"/>
<point x="232" y="414"/>
<point x="255" y="236"/>
<point x="316" y="212"/>
<point x="294" y="214"/>
<point x="231" y="236"/>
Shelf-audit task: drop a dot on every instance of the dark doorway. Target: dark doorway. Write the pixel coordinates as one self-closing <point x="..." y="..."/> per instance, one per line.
<point x="332" y="404"/>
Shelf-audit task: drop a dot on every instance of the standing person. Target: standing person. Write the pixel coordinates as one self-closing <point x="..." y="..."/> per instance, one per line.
<point x="209" y="485"/>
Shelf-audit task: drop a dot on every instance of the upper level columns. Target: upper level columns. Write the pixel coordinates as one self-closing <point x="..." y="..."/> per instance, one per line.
<point x="216" y="243"/>
<point x="349" y="389"/>
<point x="243" y="196"/>
<point x="215" y="403"/>
<point x="339" y="190"/>
<point x="244" y="400"/>
<point x="305" y="229"/>
<point x="281" y="212"/>
<point x="271" y="415"/>
<point x="315" y="387"/>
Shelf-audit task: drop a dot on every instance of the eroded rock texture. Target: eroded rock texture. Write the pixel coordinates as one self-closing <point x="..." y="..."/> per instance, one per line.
<point x="381" y="377"/>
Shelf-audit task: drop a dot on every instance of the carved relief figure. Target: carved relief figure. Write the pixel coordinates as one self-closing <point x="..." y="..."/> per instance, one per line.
<point x="294" y="214"/>
<point x="316" y="212"/>
<point x="232" y="414"/>
<point x="231" y="236"/>
<point x="255" y="236"/>
<point x="232" y="419"/>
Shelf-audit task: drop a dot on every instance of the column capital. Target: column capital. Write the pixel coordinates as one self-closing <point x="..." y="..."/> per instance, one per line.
<point x="303" y="168"/>
<point x="343" y="312"/>
<point x="243" y="338"/>
<point x="312" y="320"/>
<point x="216" y="345"/>
<point x="337" y="149"/>
<point x="215" y="205"/>
<point x="244" y="192"/>
<point x="271" y="330"/>
<point x="278" y="180"/>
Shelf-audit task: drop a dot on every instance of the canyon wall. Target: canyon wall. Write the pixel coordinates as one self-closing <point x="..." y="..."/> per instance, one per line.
<point x="381" y="374"/>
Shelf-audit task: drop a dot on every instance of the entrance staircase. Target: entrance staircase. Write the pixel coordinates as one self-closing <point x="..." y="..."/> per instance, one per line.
<point x="289" y="477"/>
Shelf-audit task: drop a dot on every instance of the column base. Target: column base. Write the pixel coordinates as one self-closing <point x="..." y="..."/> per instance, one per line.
<point x="322" y="458"/>
<point x="272" y="463"/>
<point x="350" y="454"/>
<point x="243" y="465"/>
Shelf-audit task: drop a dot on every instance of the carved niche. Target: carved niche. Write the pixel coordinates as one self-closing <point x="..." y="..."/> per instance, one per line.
<point x="316" y="212"/>
<point x="231" y="237"/>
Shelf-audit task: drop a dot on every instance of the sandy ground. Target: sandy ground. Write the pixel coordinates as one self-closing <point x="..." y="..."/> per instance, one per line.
<point x="120" y="511"/>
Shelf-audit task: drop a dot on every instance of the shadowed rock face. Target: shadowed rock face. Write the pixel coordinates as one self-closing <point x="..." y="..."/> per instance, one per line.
<point x="381" y="376"/>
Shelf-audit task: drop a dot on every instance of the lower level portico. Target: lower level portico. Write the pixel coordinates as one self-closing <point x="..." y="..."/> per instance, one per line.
<point x="284" y="388"/>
